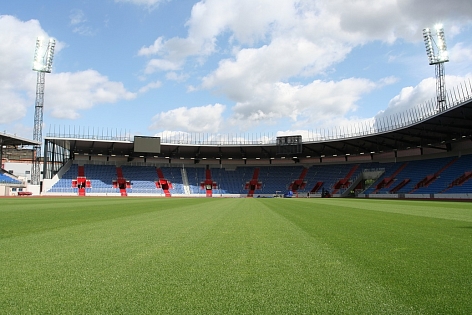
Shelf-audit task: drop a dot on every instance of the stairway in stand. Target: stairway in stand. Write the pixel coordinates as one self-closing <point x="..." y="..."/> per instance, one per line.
<point x="163" y="183"/>
<point x="81" y="180"/>
<point x="388" y="181"/>
<point x="121" y="182"/>
<point x="254" y="183"/>
<point x="343" y="183"/>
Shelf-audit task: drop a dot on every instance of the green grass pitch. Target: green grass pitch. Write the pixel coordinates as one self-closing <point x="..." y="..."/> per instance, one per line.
<point x="234" y="256"/>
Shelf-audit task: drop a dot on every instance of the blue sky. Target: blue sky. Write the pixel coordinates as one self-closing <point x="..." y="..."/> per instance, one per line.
<point x="224" y="66"/>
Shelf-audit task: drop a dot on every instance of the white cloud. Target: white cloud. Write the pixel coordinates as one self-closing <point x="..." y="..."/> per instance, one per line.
<point x="277" y="28"/>
<point x="334" y="23"/>
<point x="195" y="119"/>
<point x="282" y="59"/>
<point x="150" y="86"/>
<point x="460" y="53"/>
<point x="390" y="20"/>
<point x="210" y="18"/>
<point x="173" y="76"/>
<point x="161" y="65"/>
<point x="68" y="93"/>
<point x="304" y="104"/>
<point x="13" y="106"/>
<point x="153" y="49"/>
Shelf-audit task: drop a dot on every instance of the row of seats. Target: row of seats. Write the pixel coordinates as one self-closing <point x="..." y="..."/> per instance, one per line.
<point x="443" y="172"/>
<point x="274" y="178"/>
<point x="143" y="178"/>
<point x="6" y="179"/>
<point x="64" y="185"/>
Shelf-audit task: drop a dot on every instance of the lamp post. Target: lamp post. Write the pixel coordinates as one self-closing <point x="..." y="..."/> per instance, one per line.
<point x="42" y="64"/>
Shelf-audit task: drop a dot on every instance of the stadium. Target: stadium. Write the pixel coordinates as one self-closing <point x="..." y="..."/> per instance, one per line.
<point x="357" y="220"/>
<point x="419" y="154"/>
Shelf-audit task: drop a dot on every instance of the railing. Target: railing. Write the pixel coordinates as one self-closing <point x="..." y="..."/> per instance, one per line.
<point x="87" y="133"/>
<point x="455" y="98"/>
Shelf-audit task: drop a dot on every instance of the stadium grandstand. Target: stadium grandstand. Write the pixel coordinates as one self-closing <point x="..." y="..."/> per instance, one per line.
<point x="421" y="153"/>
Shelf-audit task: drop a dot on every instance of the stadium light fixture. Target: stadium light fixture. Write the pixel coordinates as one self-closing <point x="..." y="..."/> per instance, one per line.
<point x="43" y="56"/>
<point x="443" y="55"/>
<point x="428" y="42"/>
<point x="437" y="55"/>
<point x="436" y="50"/>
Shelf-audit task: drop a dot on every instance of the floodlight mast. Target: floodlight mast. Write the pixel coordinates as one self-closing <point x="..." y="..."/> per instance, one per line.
<point x="42" y="65"/>
<point x="437" y="56"/>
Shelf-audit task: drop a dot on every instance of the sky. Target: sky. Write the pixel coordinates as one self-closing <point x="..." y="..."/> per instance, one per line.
<point x="278" y="67"/>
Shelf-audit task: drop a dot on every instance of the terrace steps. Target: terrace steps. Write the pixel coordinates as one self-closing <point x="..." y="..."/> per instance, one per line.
<point x="388" y="181"/>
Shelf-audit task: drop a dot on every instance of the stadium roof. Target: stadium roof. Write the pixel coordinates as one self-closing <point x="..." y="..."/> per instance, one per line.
<point x="12" y="140"/>
<point x="439" y="131"/>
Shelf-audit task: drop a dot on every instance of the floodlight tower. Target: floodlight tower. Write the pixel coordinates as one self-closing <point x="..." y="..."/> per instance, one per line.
<point x="42" y="64"/>
<point x="437" y="56"/>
